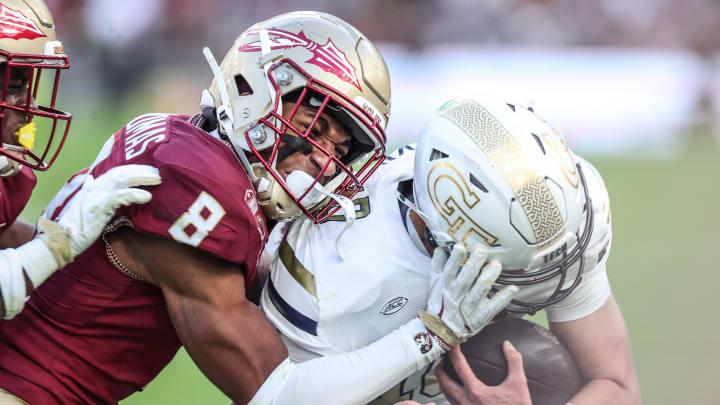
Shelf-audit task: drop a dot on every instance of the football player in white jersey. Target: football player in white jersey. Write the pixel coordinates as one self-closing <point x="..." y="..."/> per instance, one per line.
<point x="485" y="173"/>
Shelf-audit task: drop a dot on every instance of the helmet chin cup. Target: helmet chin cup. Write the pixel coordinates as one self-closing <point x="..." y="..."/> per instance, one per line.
<point x="9" y="166"/>
<point x="301" y="183"/>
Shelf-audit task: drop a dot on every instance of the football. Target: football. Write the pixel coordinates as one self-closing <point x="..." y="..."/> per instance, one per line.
<point x="552" y="375"/>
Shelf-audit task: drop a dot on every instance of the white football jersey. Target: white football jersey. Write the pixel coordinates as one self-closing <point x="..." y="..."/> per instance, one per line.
<point x="323" y="305"/>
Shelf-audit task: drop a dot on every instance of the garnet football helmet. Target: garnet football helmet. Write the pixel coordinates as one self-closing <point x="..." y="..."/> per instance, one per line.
<point x="313" y="59"/>
<point x="28" y="48"/>
<point x="493" y="173"/>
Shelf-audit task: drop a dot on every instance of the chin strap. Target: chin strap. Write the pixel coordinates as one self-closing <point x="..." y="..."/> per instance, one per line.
<point x="299" y="182"/>
<point x="10" y="167"/>
<point x="441" y="239"/>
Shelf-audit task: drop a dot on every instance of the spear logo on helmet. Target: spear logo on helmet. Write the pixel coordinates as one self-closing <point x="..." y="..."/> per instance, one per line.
<point x="328" y="57"/>
<point x="14" y="25"/>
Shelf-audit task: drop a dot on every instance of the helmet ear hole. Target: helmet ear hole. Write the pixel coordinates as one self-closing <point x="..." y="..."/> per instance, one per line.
<point x="243" y="86"/>
<point x="475" y="182"/>
<point x="436" y="154"/>
<point x="539" y="142"/>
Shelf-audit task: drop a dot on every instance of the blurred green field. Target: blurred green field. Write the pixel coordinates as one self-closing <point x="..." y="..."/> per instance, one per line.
<point x="663" y="265"/>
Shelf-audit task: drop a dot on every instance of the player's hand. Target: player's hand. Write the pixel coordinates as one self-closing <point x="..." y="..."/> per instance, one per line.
<point x="513" y="391"/>
<point x="458" y="306"/>
<point x="94" y="205"/>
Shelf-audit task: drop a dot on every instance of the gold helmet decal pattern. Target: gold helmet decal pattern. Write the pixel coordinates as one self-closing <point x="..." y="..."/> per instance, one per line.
<point x="513" y="164"/>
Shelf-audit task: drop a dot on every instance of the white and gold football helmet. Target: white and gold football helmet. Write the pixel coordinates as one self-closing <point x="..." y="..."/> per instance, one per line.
<point x="493" y="173"/>
<point x="317" y="60"/>
<point x="28" y="48"/>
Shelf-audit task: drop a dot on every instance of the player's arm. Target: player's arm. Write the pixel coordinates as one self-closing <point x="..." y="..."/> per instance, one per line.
<point x="363" y="374"/>
<point x="601" y="347"/>
<point x="24" y="268"/>
<point x="237" y="348"/>
<point x="226" y="335"/>
<point x="18" y="233"/>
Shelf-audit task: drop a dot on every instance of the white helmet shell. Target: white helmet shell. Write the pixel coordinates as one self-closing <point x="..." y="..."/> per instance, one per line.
<point x="491" y="172"/>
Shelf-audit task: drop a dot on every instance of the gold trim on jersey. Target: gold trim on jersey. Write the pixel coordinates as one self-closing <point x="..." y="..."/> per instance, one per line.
<point x="296" y="269"/>
<point x="362" y="209"/>
<point x="513" y="163"/>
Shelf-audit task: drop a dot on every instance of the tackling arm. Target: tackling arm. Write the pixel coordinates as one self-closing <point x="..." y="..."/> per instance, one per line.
<point x="17" y="234"/>
<point x="238" y="349"/>
<point x="235" y="346"/>
<point x="601" y="347"/>
<point x="226" y="335"/>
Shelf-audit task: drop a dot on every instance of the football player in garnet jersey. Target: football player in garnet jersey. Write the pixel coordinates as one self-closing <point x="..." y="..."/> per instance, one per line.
<point x="27" y="49"/>
<point x="485" y="174"/>
<point x="292" y="125"/>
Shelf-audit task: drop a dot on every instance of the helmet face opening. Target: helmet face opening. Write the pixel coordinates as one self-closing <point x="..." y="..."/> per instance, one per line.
<point x="35" y="100"/>
<point x="31" y="60"/>
<point x="366" y="145"/>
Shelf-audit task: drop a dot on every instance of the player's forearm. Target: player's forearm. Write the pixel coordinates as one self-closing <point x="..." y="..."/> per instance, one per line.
<point x="352" y="378"/>
<point x="605" y="391"/>
<point x="20" y="270"/>
<point x="19" y="233"/>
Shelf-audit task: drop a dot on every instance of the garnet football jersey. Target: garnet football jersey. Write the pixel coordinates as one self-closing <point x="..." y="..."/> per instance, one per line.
<point x="92" y="334"/>
<point x="15" y="192"/>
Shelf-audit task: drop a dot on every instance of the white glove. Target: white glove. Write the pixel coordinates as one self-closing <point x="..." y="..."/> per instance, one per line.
<point x="94" y="205"/>
<point x="458" y="306"/>
<point x="80" y="224"/>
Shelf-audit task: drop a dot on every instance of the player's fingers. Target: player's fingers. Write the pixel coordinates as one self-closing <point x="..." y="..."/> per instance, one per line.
<point x="131" y="176"/>
<point x="490" y="273"/>
<point x="516" y="371"/>
<point x="457" y="258"/>
<point x="463" y="369"/>
<point x="470" y="270"/>
<point x="127" y="196"/>
<point x="438" y="260"/>
<point x="501" y="299"/>
<point x="453" y="391"/>
<point x="483" y="284"/>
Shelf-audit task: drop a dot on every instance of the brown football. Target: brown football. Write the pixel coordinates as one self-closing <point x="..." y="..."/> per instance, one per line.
<point x="552" y="375"/>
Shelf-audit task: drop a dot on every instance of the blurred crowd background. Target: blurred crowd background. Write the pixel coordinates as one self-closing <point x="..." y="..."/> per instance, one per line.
<point x="661" y="54"/>
<point x="634" y="85"/>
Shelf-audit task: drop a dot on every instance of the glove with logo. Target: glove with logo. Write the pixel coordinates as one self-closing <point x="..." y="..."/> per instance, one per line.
<point x="458" y="306"/>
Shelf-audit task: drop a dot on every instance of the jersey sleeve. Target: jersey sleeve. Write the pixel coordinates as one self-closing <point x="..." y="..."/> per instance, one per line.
<point x="594" y="289"/>
<point x="205" y="199"/>
<point x="193" y="209"/>
<point x="15" y="192"/>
